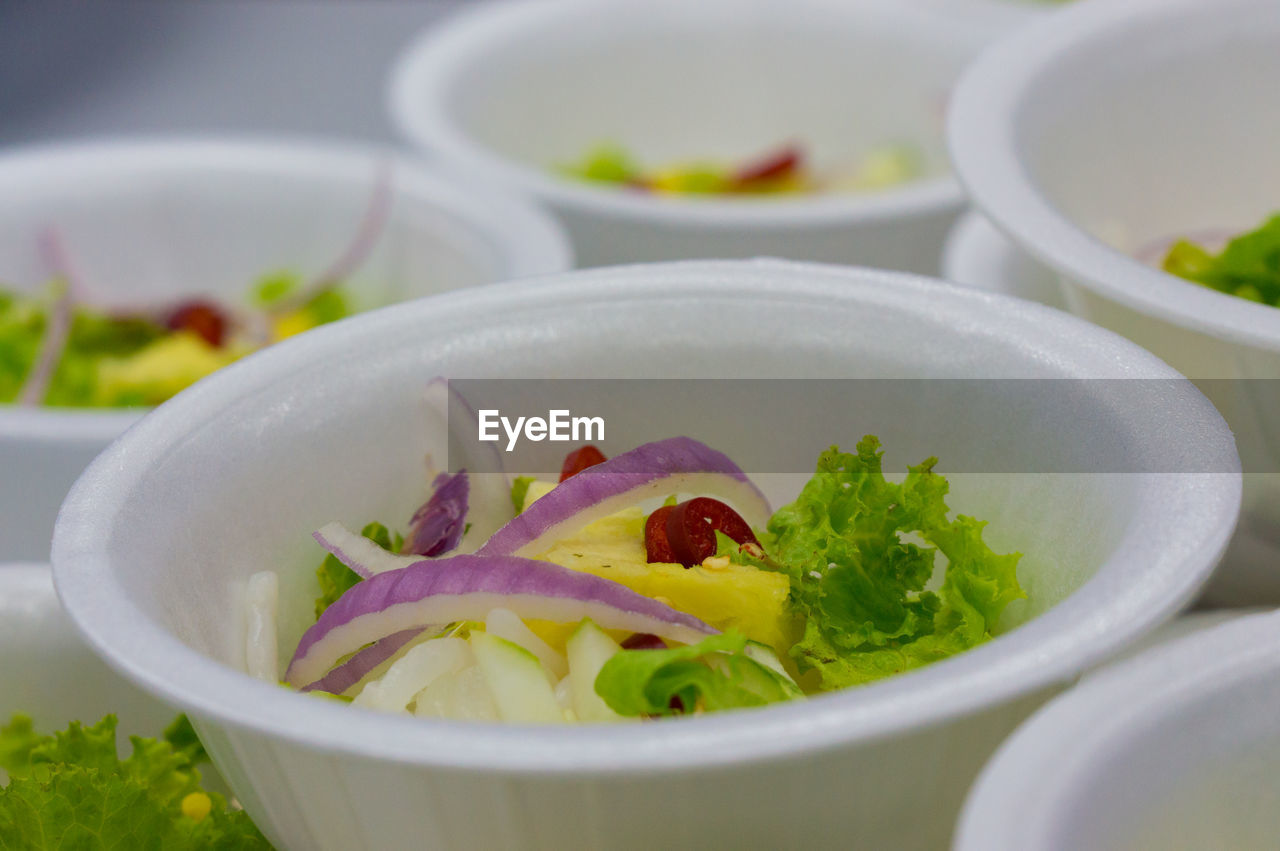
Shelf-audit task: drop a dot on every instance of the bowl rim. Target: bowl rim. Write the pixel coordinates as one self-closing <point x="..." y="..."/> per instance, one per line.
<point x="992" y="164"/>
<point x="1002" y="16"/>
<point x="972" y="252"/>
<point x="525" y="239"/>
<point x="418" y="97"/>
<point x="1097" y="720"/>
<point x="1090" y="624"/>
<point x="976" y="254"/>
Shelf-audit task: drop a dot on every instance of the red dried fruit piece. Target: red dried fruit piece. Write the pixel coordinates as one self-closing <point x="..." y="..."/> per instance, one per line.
<point x="772" y="166"/>
<point x="657" y="549"/>
<point x="202" y="318"/>
<point x="692" y="525"/>
<point x="580" y="459"/>
<point x="643" y="641"/>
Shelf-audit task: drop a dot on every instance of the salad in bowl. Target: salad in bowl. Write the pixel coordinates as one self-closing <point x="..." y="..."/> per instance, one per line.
<point x="786" y="170"/>
<point x="59" y="349"/>
<point x="175" y="544"/>
<point x="1245" y="265"/>
<point x="584" y="606"/>
<point x="130" y="270"/>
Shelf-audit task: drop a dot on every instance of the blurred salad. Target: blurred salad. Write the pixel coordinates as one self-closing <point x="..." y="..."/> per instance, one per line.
<point x="586" y="606"/>
<point x="1248" y="266"/>
<point x="60" y="348"/>
<point x="57" y="352"/>
<point x="72" y="790"/>
<point x="784" y="171"/>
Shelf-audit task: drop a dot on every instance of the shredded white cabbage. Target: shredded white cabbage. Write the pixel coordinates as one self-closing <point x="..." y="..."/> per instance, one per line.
<point x="262" y="658"/>
<point x="413" y="672"/>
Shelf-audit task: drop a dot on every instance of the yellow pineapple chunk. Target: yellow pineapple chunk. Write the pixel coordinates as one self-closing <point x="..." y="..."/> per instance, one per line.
<point x="719" y="593"/>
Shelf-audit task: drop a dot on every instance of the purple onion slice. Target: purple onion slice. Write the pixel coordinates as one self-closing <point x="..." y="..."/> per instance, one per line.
<point x="358" y="666"/>
<point x="659" y="469"/>
<point x="487" y="479"/>
<point x="468" y="587"/>
<point x="436" y="528"/>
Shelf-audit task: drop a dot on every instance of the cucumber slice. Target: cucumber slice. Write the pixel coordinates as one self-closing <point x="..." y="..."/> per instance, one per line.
<point x="589" y="648"/>
<point x="505" y="623"/>
<point x="762" y="654"/>
<point x="463" y="696"/>
<point x="517" y="681"/>
<point x="755" y="672"/>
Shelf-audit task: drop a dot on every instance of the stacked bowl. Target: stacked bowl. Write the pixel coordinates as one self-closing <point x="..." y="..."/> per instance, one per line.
<point x="1127" y="452"/>
<point x="1082" y="155"/>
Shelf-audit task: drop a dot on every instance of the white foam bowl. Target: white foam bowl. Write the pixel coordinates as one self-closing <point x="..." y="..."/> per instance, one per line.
<point x="50" y="674"/>
<point x="1001" y="17"/>
<point x="510" y="90"/>
<point x="979" y="255"/>
<point x="156" y="540"/>
<point x="1074" y="138"/>
<point x="160" y="220"/>
<point x="1176" y="748"/>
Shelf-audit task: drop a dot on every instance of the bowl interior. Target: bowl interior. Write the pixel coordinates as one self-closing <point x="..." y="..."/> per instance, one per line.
<point x="49" y="672"/>
<point x="1176" y="748"/>
<point x="1158" y="127"/>
<point x="688" y="81"/>
<point x="152" y="224"/>
<point x="1203" y="776"/>
<point x="231" y="477"/>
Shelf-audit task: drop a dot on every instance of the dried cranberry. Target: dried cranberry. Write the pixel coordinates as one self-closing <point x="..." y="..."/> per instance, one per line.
<point x="202" y="318"/>
<point x="643" y="641"/>
<point x="580" y="459"/>
<point x="656" y="547"/>
<point x="691" y="529"/>
<point x="771" y="166"/>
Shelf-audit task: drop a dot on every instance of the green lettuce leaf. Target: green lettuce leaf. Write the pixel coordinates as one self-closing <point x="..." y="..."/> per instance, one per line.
<point x="1248" y="267"/>
<point x="335" y="577"/>
<point x="607" y="163"/>
<point x="71" y="790"/>
<point x="21" y="326"/>
<point x="272" y="287"/>
<point x="93" y="336"/>
<point x="860" y="550"/>
<point x="182" y="737"/>
<point x="713" y="674"/>
<point x="328" y="305"/>
<point x="519" y="490"/>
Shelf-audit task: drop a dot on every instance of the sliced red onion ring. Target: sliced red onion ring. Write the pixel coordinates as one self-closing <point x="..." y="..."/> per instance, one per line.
<point x="436" y="528"/>
<point x="490" y="486"/>
<point x="358" y="666"/>
<point x="358" y="552"/>
<point x="675" y="465"/>
<point x="468" y="587"/>
<point x="57" y="328"/>
<point x="371" y="226"/>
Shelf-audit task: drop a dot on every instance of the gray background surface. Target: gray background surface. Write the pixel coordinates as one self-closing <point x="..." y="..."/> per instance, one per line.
<point x="127" y="67"/>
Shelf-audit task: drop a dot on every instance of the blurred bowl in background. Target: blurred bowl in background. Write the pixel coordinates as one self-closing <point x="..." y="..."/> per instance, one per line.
<point x="1001" y="17"/>
<point x="1176" y="748"/>
<point x="50" y="674"/>
<point x="977" y="255"/>
<point x="511" y="91"/>
<point x="1118" y="125"/>
<point x="157" y="221"/>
